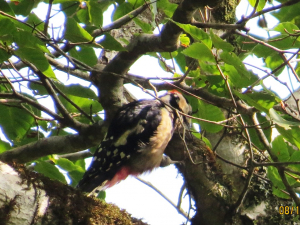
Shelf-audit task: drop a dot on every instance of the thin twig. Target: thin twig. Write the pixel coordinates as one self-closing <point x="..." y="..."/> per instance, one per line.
<point x="220" y="26"/>
<point x="183" y="139"/>
<point x="276" y="164"/>
<point x="242" y="196"/>
<point x="180" y="195"/>
<point x="47" y="84"/>
<point x="288" y="186"/>
<point x="33" y="103"/>
<point x="48" y="17"/>
<point x="227" y="84"/>
<point x="34" y="116"/>
<point x="259" y="41"/>
<point x="232" y="163"/>
<point x="164" y="196"/>
<point x="71" y="102"/>
<point x="280" y="168"/>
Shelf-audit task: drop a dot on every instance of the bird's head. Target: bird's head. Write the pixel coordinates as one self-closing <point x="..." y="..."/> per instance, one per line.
<point x="175" y="99"/>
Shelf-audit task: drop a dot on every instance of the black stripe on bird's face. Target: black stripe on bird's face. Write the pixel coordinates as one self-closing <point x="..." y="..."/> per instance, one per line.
<point x="178" y="101"/>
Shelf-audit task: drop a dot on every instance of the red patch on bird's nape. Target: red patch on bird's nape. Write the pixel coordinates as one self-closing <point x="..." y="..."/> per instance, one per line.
<point x="174" y="91"/>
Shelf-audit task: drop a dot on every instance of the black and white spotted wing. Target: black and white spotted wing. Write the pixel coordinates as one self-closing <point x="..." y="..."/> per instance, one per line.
<point x="128" y="133"/>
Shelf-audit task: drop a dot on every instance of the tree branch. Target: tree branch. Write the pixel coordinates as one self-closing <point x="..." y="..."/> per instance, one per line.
<point x="111" y="87"/>
<point x="90" y="137"/>
<point x="121" y="21"/>
<point x="180" y="210"/>
<point x="32" y="103"/>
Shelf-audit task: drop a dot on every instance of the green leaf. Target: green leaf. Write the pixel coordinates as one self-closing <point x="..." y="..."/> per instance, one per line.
<point x="78" y="90"/>
<point x="80" y="163"/>
<point x="232" y="59"/>
<point x="136" y="3"/>
<point x="50" y="171"/>
<point x="292" y="134"/>
<point x="28" y="40"/>
<point x="68" y="165"/>
<point x="37" y="89"/>
<point x="285" y="27"/>
<point x="212" y="113"/>
<point x="62" y="1"/>
<point x="168" y="55"/>
<point x="280" y="149"/>
<point x="197" y="78"/>
<point x="35" y="21"/>
<point x="273" y="175"/>
<point x="4" y="55"/>
<point x="236" y="78"/>
<point x="184" y="40"/>
<point x="262" y="51"/>
<point x="72" y="89"/>
<point x="122" y="10"/>
<point x="102" y="195"/>
<point x="201" y="137"/>
<point x="284" y="42"/>
<point x="273" y="61"/>
<point x="5" y="7"/>
<point x="23" y="7"/>
<point x="75" y="33"/>
<point x="31" y="108"/>
<point x="87" y="105"/>
<point x="287" y="13"/>
<point x="266" y="128"/>
<point x="216" y="85"/>
<point x="7" y="30"/>
<point x="196" y="33"/>
<point x="75" y="176"/>
<point x="220" y="44"/>
<point x="4" y="146"/>
<point x="260" y="100"/>
<point x="280" y="121"/>
<point x="167" y="7"/>
<point x="200" y="51"/>
<point x="95" y="13"/>
<point x="70" y="8"/>
<point x="260" y="5"/>
<point x="180" y="60"/>
<point x="43" y="125"/>
<point x="295" y="157"/>
<point x="111" y="43"/>
<point x="84" y="54"/>
<point x="37" y="58"/>
<point x="208" y="69"/>
<point x="83" y="16"/>
<point x="146" y="27"/>
<point x="15" y="122"/>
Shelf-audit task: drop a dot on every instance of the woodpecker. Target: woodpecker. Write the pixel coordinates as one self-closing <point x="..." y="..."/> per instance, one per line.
<point x="135" y="141"/>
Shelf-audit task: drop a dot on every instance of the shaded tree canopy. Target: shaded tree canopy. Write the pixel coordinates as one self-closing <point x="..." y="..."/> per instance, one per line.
<point x="235" y="168"/>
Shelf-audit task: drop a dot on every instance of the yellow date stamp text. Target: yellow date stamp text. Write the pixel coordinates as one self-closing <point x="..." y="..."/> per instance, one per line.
<point x="288" y="210"/>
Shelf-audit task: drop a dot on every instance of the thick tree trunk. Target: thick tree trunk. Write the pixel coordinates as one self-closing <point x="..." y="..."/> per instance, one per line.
<point x="28" y="198"/>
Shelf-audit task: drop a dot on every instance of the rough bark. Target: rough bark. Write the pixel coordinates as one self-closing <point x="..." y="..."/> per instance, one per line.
<point x="28" y="198"/>
<point x="214" y="185"/>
